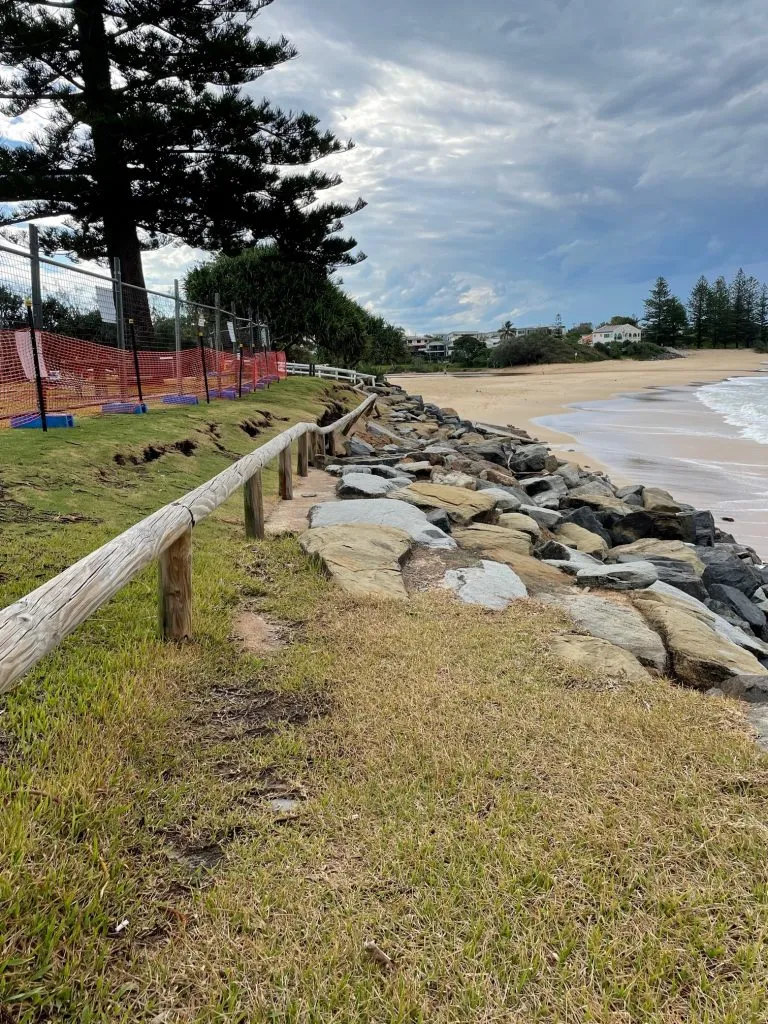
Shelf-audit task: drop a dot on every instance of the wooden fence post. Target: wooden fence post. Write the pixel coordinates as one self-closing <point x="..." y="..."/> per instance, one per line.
<point x="175" y="589"/>
<point x="285" y="473"/>
<point x="302" y="462"/>
<point x="253" y="497"/>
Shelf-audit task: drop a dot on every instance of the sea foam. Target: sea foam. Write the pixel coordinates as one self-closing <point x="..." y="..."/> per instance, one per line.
<point x="742" y="402"/>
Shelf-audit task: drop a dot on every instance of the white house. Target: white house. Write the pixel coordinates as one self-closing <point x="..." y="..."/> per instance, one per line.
<point x="623" y="333"/>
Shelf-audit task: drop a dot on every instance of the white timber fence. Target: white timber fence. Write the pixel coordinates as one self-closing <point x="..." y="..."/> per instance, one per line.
<point x="329" y="373"/>
<point x="33" y="626"/>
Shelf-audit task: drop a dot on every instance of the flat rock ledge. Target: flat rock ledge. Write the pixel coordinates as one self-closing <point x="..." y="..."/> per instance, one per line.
<point x="490" y="584"/>
<point x="363" y="559"/>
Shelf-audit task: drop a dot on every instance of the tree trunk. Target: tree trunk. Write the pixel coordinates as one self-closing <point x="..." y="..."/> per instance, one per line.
<point x="113" y="181"/>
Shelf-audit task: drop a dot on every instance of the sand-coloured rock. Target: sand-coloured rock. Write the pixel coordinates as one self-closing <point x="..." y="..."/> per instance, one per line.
<point x="495" y="542"/>
<point x="363" y="559"/>
<point x="649" y="547"/>
<point x="601" y="657"/>
<point x="461" y="504"/>
<point x="581" y="539"/>
<point x="700" y="657"/>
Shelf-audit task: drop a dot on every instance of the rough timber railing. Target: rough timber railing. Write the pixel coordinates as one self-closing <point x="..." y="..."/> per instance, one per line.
<point x="329" y="373"/>
<point x="33" y="626"/>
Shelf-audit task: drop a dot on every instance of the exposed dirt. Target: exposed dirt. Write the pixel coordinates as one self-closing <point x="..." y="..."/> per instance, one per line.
<point x="254" y="427"/>
<point x="258" y="634"/>
<point x="155" y="451"/>
<point x="426" y="568"/>
<point x="237" y="711"/>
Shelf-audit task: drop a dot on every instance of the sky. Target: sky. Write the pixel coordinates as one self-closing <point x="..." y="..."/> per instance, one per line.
<point x="529" y="159"/>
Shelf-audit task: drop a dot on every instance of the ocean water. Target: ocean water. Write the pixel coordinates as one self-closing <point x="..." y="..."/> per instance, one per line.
<point x="706" y="444"/>
<point x="742" y="402"/>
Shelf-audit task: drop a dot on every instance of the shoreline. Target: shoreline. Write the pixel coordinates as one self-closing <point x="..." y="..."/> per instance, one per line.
<point x="525" y="396"/>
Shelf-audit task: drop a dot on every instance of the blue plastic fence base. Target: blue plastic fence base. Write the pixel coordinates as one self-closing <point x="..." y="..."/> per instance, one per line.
<point x="180" y="400"/>
<point x="225" y="393"/>
<point x="131" y="407"/>
<point x="32" y="420"/>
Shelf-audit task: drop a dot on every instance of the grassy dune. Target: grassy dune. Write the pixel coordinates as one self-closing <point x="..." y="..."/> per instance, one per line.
<point x="523" y="844"/>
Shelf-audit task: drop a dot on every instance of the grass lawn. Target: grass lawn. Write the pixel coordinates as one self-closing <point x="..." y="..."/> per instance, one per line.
<point x="520" y="843"/>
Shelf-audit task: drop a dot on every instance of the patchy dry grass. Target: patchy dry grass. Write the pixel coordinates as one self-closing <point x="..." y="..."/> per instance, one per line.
<point x="524" y="847"/>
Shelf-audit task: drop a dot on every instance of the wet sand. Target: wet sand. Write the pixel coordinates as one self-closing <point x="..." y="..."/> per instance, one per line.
<point x="639" y="421"/>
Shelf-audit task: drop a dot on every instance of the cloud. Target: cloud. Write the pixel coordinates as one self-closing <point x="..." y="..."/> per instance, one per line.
<point x="554" y="157"/>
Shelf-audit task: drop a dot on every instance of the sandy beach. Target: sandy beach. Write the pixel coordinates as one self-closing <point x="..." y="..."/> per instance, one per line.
<point x="523" y="395"/>
<point x="641" y="422"/>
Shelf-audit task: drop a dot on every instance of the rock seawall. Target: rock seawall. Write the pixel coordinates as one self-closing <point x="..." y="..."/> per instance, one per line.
<point x="651" y="584"/>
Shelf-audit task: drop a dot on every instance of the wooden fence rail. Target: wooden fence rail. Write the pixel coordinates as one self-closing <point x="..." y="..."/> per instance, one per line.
<point x="33" y="626"/>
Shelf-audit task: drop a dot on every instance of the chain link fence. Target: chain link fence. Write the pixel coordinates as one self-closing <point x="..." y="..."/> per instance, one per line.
<point x="79" y="339"/>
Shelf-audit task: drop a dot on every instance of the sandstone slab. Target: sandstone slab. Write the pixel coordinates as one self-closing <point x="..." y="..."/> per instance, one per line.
<point x="462" y="505"/>
<point x="619" y="623"/>
<point x="496" y="542"/>
<point x="381" y="512"/>
<point x="700" y="657"/>
<point x="601" y="657"/>
<point x="364" y="560"/>
<point x="490" y="584"/>
<point x="581" y="539"/>
<point x="630" y="576"/>
<point x="520" y="521"/>
<point x="649" y="547"/>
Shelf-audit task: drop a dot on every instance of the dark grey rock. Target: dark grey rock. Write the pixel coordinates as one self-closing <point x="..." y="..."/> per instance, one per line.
<point x="543" y="516"/>
<point x="726" y="612"/>
<point x="552" y="550"/>
<point x="545" y="484"/>
<point x="740" y="604"/>
<point x="570" y="474"/>
<point x="732" y="573"/>
<point x="632" y="495"/>
<point x="753" y="689"/>
<point x="586" y="517"/>
<point x="364" y="485"/>
<point x="529" y="458"/>
<point x="629" y="576"/>
<point x="439" y="517"/>
<point x="357" y="447"/>
<point x="493" y="451"/>
<point x="704" y="528"/>
<point x="681" y="575"/>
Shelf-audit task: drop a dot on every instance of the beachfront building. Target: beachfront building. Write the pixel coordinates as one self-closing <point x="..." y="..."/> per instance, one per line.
<point x="623" y="333"/>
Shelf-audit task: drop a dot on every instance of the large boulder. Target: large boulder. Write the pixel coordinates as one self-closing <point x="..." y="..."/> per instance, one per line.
<point x="492" y="451"/>
<point x="505" y="502"/>
<point x="700" y="657"/>
<point x="741" y="604"/>
<point x="630" y="576"/>
<point x="547" y="517"/>
<point x="381" y="512"/>
<point x="705" y="528"/>
<point x="732" y="573"/>
<point x="570" y="474"/>
<point x="663" y="592"/>
<point x="680" y="575"/>
<point x="650" y="547"/>
<point x="490" y="584"/>
<point x="496" y="542"/>
<point x="529" y="458"/>
<point x="657" y="500"/>
<point x="598" y="502"/>
<point x="594" y="485"/>
<point x="364" y="485"/>
<point x="612" y="620"/>
<point x="364" y="560"/>
<point x="632" y="494"/>
<point x="587" y="519"/>
<point x="462" y="505"/>
<point x="520" y="521"/>
<point x="453" y="478"/>
<point x="577" y="537"/>
<point x="600" y="657"/>
<point x="549" y="484"/>
<point x="664" y="525"/>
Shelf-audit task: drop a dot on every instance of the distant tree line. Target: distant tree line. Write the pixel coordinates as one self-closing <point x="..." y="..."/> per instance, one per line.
<point x="717" y="315"/>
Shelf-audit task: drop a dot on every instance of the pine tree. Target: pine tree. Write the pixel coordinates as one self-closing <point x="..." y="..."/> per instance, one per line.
<point x="697" y="310"/>
<point x="740" y="327"/>
<point x="150" y="134"/>
<point x="657" y="314"/>
<point x="719" y="313"/>
<point x="762" y="317"/>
